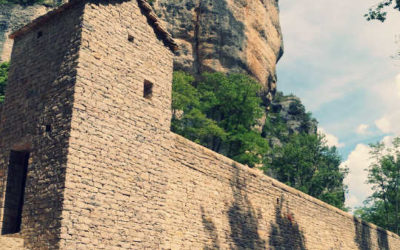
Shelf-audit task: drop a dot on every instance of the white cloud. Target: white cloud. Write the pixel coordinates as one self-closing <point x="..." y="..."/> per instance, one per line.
<point x="331" y="139"/>
<point x="384" y="125"/>
<point x="388" y="141"/>
<point x="357" y="162"/>
<point x="342" y="51"/>
<point x="362" y="129"/>
<point x="352" y="201"/>
<point x="332" y="89"/>
<point x="388" y="93"/>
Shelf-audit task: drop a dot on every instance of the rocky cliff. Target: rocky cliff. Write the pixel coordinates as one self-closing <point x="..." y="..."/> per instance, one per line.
<point x="226" y="36"/>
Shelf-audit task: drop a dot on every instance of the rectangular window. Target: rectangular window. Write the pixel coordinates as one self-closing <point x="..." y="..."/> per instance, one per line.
<point x="147" y="89"/>
<point x="15" y="189"/>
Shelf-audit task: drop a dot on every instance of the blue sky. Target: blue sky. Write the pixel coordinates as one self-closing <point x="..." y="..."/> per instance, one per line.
<point x="341" y="67"/>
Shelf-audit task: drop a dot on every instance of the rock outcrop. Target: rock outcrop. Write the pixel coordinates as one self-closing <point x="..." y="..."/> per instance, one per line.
<point x="287" y="116"/>
<point x="226" y="36"/>
<point x="12" y="17"/>
<point x="293" y="113"/>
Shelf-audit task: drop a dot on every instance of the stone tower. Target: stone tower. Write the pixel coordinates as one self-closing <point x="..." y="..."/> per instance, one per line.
<point x="88" y="104"/>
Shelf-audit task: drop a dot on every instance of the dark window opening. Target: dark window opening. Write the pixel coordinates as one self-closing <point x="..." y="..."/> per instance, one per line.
<point x="15" y="189"/>
<point x="148" y="89"/>
<point x="48" y="128"/>
<point x="131" y="38"/>
<point x="39" y="34"/>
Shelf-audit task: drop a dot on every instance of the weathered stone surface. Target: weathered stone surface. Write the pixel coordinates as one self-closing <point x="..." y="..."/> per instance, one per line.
<point x="226" y="36"/>
<point x="13" y="17"/>
<point x="216" y="203"/>
<point x="11" y="243"/>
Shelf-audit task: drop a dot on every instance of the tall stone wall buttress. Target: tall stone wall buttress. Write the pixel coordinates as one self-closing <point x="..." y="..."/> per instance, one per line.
<point x="226" y="36"/>
<point x="36" y="117"/>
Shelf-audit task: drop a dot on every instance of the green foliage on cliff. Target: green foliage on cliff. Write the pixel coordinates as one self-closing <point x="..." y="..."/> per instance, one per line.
<point x="306" y="163"/>
<point x="383" y="206"/>
<point x="3" y="79"/>
<point x="299" y="156"/>
<point x="221" y="112"/>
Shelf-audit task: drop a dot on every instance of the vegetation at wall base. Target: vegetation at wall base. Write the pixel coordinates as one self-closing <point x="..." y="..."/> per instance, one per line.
<point x="3" y="79"/>
<point x="221" y="112"/>
<point x="383" y="206"/>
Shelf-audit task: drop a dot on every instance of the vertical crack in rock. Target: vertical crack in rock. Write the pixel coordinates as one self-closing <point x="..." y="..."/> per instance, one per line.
<point x="196" y="40"/>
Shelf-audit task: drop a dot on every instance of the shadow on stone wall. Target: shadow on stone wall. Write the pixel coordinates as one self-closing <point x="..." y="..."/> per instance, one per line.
<point x="383" y="241"/>
<point x="243" y="219"/>
<point x="363" y="235"/>
<point x="285" y="233"/>
<point x="211" y="230"/>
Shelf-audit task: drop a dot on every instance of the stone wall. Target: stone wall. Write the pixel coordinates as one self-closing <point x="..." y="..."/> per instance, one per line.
<point x="36" y="118"/>
<point x="7" y="243"/>
<point x="13" y="17"/>
<point x="214" y="202"/>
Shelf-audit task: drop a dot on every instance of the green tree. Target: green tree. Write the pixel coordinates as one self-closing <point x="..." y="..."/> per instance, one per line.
<point x="3" y="79"/>
<point x="187" y="118"/>
<point x="232" y="101"/>
<point x="306" y="163"/>
<point x="383" y="206"/>
<point x="379" y="11"/>
<point x="220" y="112"/>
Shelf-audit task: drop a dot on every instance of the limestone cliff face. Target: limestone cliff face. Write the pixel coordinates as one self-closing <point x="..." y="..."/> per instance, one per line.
<point x="226" y="36"/>
<point x="12" y="17"/>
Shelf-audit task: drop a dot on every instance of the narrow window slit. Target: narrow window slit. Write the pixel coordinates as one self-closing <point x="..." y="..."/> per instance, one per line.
<point x="148" y="89"/>
<point x="48" y="128"/>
